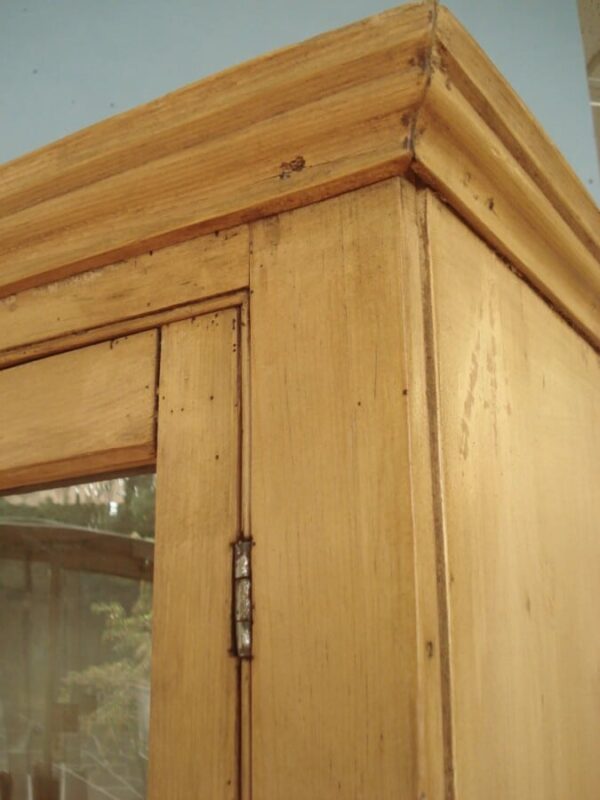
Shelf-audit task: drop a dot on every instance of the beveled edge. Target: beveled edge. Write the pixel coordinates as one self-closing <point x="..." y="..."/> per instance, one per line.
<point x="396" y="93"/>
<point x="477" y="145"/>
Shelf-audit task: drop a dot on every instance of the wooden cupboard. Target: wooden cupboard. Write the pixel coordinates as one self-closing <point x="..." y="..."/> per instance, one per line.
<point x="344" y="300"/>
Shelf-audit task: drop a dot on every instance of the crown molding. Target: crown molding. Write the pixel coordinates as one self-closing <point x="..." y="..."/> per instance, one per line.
<point x="478" y="145"/>
<point x="284" y="130"/>
<point x="406" y="90"/>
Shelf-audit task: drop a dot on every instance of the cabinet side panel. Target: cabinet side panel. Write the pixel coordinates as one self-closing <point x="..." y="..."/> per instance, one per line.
<point x="519" y="396"/>
<point x="193" y="743"/>
<point x="334" y="673"/>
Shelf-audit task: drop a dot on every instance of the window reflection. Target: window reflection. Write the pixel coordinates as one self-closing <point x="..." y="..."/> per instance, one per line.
<point x="75" y="640"/>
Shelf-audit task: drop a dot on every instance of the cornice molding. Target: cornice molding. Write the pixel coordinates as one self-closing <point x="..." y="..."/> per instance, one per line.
<point x="478" y="145"/>
<point x="405" y="90"/>
<point x="284" y="130"/>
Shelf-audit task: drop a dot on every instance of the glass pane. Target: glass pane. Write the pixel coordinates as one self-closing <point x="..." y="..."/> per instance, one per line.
<point x="75" y="617"/>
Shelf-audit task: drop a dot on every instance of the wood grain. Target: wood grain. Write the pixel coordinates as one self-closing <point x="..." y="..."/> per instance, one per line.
<point x="519" y="404"/>
<point x="334" y="673"/>
<point x="127" y="326"/>
<point x="408" y="87"/>
<point x="287" y="129"/>
<point x="434" y="739"/>
<point x="215" y="106"/>
<point x="194" y="716"/>
<point x="245" y="675"/>
<point x="158" y="280"/>
<point x="464" y="63"/>
<point x="463" y="158"/>
<point x="79" y="413"/>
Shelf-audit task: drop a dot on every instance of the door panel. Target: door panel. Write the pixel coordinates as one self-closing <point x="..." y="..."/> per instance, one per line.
<point x="86" y="411"/>
<point x="194" y="725"/>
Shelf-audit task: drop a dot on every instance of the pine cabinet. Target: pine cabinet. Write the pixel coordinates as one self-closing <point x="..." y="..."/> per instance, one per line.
<point x="343" y="302"/>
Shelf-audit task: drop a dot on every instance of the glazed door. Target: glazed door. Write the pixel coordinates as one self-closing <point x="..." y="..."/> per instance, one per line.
<point x="119" y="500"/>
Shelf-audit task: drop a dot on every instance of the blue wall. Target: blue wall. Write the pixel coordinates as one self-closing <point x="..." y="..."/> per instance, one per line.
<point x="65" y="64"/>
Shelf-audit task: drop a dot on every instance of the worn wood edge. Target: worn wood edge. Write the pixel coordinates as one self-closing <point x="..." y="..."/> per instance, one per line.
<point x="114" y="380"/>
<point x="167" y="131"/>
<point x="268" y="233"/>
<point x="184" y="343"/>
<point x="245" y="677"/>
<point x="458" y="155"/>
<point x="152" y="282"/>
<point x="316" y="183"/>
<point x="280" y="155"/>
<point x="124" y="327"/>
<point x="200" y="186"/>
<point x="435" y="749"/>
<point x="461" y="59"/>
<point x="208" y="108"/>
<point x="90" y="466"/>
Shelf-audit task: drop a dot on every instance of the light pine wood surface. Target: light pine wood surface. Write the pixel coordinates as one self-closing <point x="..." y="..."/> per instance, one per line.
<point x="462" y="157"/>
<point x="334" y="669"/>
<point x="519" y="412"/>
<point x="465" y="64"/>
<point x="405" y="91"/>
<point x="88" y="411"/>
<point x="194" y="710"/>
<point x="241" y="97"/>
<point x="152" y="282"/>
<point x="434" y="742"/>
<point x="403" y="422"/>
<point x="289" y="128"/>
<point x="147" y="322"/>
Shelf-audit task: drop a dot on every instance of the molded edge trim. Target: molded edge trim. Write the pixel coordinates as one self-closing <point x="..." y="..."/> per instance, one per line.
<point x="398" y="91"/>
<point x="288" y="129"/>
<point x="457" y="154"/>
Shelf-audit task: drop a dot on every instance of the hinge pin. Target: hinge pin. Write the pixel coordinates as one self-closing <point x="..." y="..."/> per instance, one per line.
<point x="242" y="599"/>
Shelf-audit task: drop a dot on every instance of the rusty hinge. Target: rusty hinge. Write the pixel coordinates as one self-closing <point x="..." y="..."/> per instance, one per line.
<point x="242" y="598"/>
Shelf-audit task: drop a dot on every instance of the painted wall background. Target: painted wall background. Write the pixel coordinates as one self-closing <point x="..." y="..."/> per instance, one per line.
<point x="65" y="64"/>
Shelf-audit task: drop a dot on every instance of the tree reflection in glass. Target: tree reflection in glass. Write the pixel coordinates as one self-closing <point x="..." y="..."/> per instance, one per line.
<point x="75" y="627"/>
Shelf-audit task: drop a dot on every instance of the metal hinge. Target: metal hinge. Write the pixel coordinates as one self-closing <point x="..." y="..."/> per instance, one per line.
<point x="242" y="598"/>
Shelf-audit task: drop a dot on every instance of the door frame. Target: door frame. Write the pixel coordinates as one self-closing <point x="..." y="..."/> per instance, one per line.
<point x="88" y="461"/>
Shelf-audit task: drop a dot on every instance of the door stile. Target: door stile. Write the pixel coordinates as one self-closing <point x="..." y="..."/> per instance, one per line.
<point x="194" y="740"/>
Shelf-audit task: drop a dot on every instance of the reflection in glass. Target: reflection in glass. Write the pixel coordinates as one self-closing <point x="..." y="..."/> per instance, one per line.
<point x="75" y="640"/>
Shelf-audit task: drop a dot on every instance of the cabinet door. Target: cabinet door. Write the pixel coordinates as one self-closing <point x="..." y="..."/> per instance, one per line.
<point x="82" y="570"/>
